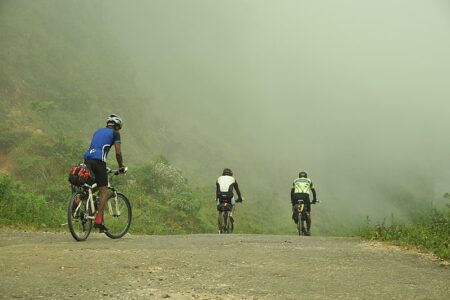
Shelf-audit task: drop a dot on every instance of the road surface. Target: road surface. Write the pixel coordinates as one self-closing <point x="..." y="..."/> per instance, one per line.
<point x="53" y="266"/>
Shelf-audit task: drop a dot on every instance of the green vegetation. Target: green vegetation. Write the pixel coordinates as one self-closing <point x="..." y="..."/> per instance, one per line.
<point x="57" y="83"/>
<point x="430" y="231"/>
<point x="20" y="206"/>
<point x="61" y="73"/>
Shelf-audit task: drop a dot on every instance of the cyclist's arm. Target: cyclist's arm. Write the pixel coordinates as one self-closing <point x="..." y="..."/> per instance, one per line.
<point x="314" y="194"/>
<point x="117" y="148"/>
<point x="236" y="187"/>
<point x="118" y="155"/>
<point x="217" y="190"/>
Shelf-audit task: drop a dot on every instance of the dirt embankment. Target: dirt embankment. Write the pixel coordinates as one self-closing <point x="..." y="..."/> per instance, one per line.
<point x="5" y="162"/>
<point x="53" y="266"/>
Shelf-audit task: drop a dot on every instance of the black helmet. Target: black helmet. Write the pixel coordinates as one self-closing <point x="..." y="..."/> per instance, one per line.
<point x="227" y="172"/>
<point x="302" y="174"/>
<point x="114" y="119"/>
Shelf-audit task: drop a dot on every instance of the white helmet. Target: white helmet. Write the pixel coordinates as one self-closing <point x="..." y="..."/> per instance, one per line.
<point x="114" y="119"/>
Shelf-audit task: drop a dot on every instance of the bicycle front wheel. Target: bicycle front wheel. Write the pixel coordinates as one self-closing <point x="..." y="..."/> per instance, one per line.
<point x="117" y="216"/>
<point x="77" y="217"/>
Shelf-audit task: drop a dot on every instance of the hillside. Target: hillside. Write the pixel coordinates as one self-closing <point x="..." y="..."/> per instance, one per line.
<point x="61" y="74"/>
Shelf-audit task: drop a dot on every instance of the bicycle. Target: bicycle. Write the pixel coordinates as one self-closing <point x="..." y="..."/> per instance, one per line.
<point x="302" y="216"/>
<point x="82" y="210"/>
<point x="225" y="220"/>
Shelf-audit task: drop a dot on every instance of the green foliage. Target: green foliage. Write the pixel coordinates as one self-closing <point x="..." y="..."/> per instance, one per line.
<point x="430" y="231"/>
<point x="11" y="137"/>
<point x="41" y="160"/>
<point x="43" y="106"/>
<point x="161" y="179"/>
<point x="20" y="206"/>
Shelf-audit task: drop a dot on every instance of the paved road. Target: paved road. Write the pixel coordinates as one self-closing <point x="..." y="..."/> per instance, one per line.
<point x="54" y="266"/>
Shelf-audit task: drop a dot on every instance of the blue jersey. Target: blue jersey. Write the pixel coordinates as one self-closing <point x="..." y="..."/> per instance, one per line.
<point x="101" y="142"/>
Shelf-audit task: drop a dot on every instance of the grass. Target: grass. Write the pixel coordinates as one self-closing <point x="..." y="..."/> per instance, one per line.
<point x="430" y="232"/>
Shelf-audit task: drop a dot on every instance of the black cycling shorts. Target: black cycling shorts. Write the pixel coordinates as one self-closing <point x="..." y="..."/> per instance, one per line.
<point x="301" y="196"/>
<point x="100" y="172"/>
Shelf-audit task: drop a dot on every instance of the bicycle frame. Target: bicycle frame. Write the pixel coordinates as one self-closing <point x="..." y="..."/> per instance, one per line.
<point x="302" y="216"/>
<point x="83" y="210"/>
<point x="224" y="216"/>
<point x="90" y="200"/>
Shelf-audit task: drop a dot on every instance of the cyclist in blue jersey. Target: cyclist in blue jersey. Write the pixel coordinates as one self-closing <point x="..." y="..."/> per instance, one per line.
<point x="95" y="158"/>
<point x="302" y="187"/>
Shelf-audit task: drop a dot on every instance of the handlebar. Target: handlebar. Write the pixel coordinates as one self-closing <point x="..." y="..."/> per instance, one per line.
<point x="301" y="200"/>
<point x="116" y="172"/>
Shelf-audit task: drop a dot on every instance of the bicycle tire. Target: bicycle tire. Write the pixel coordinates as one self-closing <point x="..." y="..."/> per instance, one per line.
<point x="226" y="220"/>
<point x="117" y="216"/>
<point x="231" y="225"/>
<point x="220" y="222"/>
<point x="303" y="219"/>
<point x="79" y="225"/>
<point x="299" y="227"/>
<point x="302" y="216"/>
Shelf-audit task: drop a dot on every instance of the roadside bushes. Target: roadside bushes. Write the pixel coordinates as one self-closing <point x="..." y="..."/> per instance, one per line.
<point x="430" y="231"/>
<point x="165" y="203"/>
<point x="159" y="178"/>
<point x="166" y="183"/>
<point x="11" y="137"/>
<point x="20" y="206"/>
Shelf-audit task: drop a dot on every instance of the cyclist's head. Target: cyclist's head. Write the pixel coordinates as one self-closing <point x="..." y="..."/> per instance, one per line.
<point x="115" y="121"/>
<point x="227" y="172"/>
<point x="302" y="174"/>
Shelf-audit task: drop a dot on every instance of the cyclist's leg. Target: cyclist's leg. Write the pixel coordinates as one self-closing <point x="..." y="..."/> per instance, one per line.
<point x="294" y="202"/>
<point x="218" y="214"/>
<point x="308" y="213"/>
<point x="103" y="192"/>
<point x="233" y="202"/>
<point x="101" y="178"/>
<point x="295" y="213"/>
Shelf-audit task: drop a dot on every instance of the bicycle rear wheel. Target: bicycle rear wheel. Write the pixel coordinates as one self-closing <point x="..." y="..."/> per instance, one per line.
<point x="117" y="216"/>
<point x="302" y="221"/>
<point x="226" y="221"/>
<point x="80" y="225"/>
<point x="220" y="223"/>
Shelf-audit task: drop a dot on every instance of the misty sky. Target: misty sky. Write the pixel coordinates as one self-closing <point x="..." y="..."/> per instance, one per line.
<point x="355" y="92"/>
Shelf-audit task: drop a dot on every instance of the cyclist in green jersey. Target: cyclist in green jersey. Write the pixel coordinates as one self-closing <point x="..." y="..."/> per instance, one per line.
<point x="302" y="187"/>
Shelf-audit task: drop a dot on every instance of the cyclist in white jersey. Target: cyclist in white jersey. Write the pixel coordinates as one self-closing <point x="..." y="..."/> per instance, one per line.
<point x="225" y="187"/>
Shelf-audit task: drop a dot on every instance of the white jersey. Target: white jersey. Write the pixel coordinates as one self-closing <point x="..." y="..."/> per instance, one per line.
<point x="226" y="183"/>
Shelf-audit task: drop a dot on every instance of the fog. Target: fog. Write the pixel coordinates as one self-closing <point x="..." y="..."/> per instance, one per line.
<point x="354" y="92"/>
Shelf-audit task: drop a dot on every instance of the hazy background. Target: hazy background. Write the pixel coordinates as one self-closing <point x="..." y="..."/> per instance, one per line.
<point x="354" y="92"/>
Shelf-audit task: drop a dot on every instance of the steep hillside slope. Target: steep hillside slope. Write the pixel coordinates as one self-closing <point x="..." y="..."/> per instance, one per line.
<point x="60" y="73"/>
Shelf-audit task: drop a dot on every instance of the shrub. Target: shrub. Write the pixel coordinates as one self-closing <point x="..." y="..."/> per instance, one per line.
<point x="161" y="179"/>
<point x="430" y="231"/>
<point x="20" y="206"/>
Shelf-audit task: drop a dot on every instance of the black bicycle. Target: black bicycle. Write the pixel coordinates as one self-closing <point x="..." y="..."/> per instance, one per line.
<point x="82" y="210"/>
<point x="225" y="220"/>
<point x="302" y="217"/>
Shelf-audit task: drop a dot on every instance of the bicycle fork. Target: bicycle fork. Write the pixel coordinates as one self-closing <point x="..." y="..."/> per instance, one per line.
<point x="113" y="206"/>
